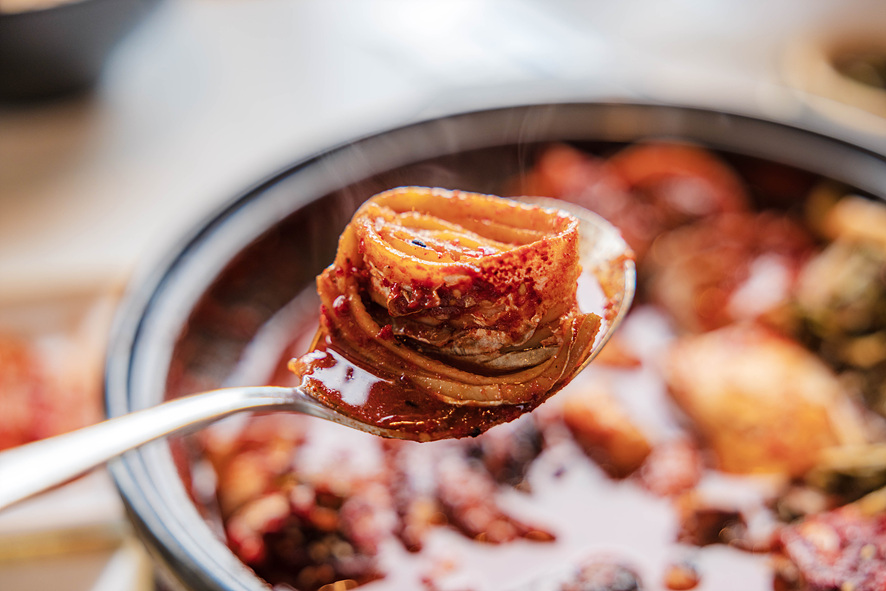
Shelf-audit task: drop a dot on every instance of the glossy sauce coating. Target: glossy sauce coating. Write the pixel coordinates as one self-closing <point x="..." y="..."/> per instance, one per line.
<point x="394" y="403"/>
<point x="447" y="312"/>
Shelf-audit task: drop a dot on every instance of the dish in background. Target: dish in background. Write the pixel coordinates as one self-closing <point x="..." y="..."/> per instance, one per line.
<point x="49" y="49"/>
<point x="52" y="343"/>
<point x="51" y="351"/>
<point x="842" y="69"/>
<point x="212" y="313"/>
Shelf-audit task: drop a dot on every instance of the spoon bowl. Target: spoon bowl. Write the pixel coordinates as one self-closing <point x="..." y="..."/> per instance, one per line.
<point x="608" y="269"/>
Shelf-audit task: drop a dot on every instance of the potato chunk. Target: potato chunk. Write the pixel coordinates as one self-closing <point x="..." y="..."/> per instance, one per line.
<point x="605" y="432"/>
<point x="762" y="402"/>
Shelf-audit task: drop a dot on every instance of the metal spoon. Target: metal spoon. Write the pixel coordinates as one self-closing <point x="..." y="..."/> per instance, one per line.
<point x="36" y="467"/>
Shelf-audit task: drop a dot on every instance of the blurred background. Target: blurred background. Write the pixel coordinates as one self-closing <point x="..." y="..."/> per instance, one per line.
<point x="200" y="99"/>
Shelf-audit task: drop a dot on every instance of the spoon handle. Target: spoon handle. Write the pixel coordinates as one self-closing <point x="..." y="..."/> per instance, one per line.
<point x="36" y="467"/>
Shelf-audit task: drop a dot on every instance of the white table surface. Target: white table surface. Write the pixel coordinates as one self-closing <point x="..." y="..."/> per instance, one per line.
<point x="207" y="97"/>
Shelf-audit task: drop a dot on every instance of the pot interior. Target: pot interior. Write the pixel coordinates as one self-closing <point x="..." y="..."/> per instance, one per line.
<point x="189" y="326"/>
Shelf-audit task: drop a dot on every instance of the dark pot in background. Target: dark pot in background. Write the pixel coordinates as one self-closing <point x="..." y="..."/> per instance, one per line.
<point x="49" y="52"/>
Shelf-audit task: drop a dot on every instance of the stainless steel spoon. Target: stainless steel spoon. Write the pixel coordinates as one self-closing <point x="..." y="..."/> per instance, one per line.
<point x="36" y="467"/>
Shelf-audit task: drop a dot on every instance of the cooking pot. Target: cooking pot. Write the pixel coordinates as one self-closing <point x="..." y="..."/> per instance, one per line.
<point x="182" y="326"/>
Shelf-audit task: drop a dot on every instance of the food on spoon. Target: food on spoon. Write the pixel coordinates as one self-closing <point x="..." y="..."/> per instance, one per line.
<point x="441" y="299"/>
